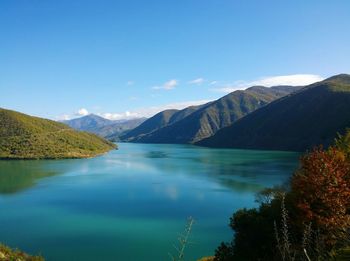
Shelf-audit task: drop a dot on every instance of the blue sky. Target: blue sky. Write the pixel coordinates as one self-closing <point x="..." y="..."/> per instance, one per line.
<point x="134" y="58"/>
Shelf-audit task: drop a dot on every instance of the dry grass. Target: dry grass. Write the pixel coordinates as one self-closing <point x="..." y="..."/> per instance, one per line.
<point x="7" y="254"/>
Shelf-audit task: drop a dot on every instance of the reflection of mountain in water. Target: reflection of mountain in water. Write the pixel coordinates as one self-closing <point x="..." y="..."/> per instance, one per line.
<point x="243" y="171"/>
<point x="19" y="175"/>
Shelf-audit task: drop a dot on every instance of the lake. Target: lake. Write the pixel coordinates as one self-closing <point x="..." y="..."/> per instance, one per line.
<point x="132" y="203"/>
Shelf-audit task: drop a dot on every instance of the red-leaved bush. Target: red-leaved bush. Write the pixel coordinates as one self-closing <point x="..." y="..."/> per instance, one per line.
<point x="321" y="188"/>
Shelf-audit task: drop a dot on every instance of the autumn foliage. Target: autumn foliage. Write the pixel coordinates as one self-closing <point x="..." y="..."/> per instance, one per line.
<point x="322" y="191"/>
<point x="314" y="223"/>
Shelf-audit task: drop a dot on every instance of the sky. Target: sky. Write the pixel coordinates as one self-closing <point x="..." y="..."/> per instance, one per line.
<point x="122" y="59"/>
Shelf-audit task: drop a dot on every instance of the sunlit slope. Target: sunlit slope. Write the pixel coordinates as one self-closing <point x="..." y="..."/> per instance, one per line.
<point x="26" y="137"/>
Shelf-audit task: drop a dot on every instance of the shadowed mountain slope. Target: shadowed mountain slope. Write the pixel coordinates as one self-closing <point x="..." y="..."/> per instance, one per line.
<point x="158" y="121"/>
<point x="309" y="117"/>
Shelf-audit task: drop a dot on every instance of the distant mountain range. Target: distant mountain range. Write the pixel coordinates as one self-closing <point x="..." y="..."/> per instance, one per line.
<point x="312" y="116"/>
<point x="89" y="123"/>
<point x="103" y="127"/>
<point x="275" y="118"/>
<point x="198" y="122"/>
<point x="26" y="137"/>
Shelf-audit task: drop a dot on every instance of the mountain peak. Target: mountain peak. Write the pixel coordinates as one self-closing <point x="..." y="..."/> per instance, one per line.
<point x="340" y="78"/>
<point x="88" y="122"/>
<point x="94" y="116"/>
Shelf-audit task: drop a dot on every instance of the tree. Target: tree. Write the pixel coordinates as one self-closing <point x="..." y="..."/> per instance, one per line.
<point x="342" y="143"/>
<point x="254" y="237"/>
<point x="321" y="189"/>
<point x="317" y="225"/>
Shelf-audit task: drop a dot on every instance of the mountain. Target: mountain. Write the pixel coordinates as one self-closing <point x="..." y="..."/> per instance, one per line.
<point x="156" y="122"/>
<point x="203" y="121"/>
<point x="309" y="117"/>
<point x="26" y="137"/>
<point x="103" y="127"/>
<point x="114" y="130"/>
<point x="89" y="122"/>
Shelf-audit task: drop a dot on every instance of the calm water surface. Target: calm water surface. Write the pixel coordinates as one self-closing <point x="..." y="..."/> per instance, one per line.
<point x="131" y="204"/>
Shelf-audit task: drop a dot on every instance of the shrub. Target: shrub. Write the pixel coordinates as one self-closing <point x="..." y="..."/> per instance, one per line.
<point x="313" y="214"/>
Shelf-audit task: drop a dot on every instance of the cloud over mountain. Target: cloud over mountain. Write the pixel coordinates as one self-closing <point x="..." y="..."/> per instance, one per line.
<point x="291" y="80"/>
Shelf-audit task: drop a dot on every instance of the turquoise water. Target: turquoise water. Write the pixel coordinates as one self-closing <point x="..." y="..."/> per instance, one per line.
<point x="132" y="203"/>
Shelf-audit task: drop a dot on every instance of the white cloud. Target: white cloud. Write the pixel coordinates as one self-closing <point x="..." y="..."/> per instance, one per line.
<point x="213" y="82"/>
<point x="138" y="113"/>
<point x="82" y="112"/>
<point x="197" y="81"/>
<point x="169" y="85"/>
<point x="293" y="80"/>
<point x="119" y="116"/>
<point x="64" y="117"/>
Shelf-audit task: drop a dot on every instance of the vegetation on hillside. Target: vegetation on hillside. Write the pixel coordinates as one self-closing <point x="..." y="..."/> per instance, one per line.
<point x="8" y="254"/>
<point x="27" y="137"/>
<point x="197" y="122"/>
<point x="296" y="122"/>
<point x="154" y="123"/>
<point x="114" y="131"/>
<point x="309" y="220"/>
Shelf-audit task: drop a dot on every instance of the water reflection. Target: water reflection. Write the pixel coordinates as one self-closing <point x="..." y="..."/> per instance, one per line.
<point x="237" y="170"/>
<point x="20" y="175"/>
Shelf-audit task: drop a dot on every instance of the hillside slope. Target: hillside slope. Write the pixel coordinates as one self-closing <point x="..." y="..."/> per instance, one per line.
<point x="209" y="118"/>
<point x="118" y="128"/>
<point x="310" y="117"/>
<point x="158" y="121"/>
<point x="26" y="137"/>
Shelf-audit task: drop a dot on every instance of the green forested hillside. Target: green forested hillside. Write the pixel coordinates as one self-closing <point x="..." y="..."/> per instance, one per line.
<point x="159" y="120"/>
<point x="26" y="137"/>
<point x="312" y="116"/>
<point x="205" y="120"/>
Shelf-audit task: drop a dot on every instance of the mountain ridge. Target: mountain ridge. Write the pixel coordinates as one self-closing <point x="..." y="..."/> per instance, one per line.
<point x="307" y="118"/>
<point x="205" y="120"/>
